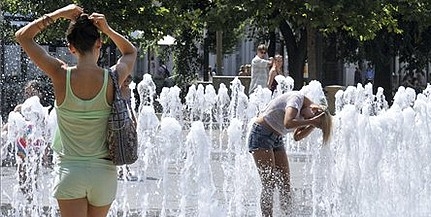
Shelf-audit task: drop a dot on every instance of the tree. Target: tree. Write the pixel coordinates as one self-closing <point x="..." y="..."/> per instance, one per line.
<point x="296" y="19"/>
<point x="409" y="43"/>
<point x="354" y="23"/>
<point x="154" y="18"/>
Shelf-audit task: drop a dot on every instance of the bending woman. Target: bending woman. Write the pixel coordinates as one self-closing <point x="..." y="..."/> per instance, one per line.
<point x="289" y="112"/>
<point x="86" y="179"/>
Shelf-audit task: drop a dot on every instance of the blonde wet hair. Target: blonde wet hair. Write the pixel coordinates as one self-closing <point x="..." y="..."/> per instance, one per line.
<point x="326" y="119"/>
<point x="326" y="125"/>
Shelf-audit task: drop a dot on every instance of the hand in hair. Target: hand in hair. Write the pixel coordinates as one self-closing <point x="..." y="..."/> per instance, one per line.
<point x="71" y="12"/>
<point x="317" y="119"/>
<point x="99" y="21"/>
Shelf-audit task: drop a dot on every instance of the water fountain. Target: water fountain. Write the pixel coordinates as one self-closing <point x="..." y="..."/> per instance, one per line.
<point x="194" y="159"/>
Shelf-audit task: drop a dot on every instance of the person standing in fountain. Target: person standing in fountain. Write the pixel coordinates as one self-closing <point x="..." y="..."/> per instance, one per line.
<point x="276" y="69"/>
<point x="289" y="112"/>
<point x="86" y="179"/>
<point x="259" y="69"/>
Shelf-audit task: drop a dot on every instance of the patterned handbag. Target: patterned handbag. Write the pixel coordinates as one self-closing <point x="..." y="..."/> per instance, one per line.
<point x="122" y="137"/>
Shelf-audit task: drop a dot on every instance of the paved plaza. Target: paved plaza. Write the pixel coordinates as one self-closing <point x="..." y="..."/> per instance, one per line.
<point x="131" y="192"/>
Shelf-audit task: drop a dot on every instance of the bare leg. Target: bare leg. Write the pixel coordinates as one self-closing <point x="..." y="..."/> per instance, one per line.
<point x="282" y="174"/>
<point x="22" y="174"/>
<point x="98" y="211"/>
<point x="264" y="160"/>
<point x="81" y="208"/>
<point x="73" y="207"/>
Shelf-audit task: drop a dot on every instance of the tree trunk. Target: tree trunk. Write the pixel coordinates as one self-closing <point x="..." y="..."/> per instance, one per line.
<point x="382" y="58"/>
<point x="219" y="47"/>
<point x="383" y="77"/>
<point x="272" y="43"/>
<point x="311" y="54"/>
<point x="296" y="52"/>
<point x="206" y="59"/>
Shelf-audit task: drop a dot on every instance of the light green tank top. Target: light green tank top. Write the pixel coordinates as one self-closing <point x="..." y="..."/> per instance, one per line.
<point x="82" y="125"/>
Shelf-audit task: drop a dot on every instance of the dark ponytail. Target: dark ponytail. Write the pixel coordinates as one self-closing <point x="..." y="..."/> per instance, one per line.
<point x="82" y="34"/>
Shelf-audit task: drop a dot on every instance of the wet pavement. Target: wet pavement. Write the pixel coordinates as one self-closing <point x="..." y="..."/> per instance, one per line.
<point x="144" y="192"/>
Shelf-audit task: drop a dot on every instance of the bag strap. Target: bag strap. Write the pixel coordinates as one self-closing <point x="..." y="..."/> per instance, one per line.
<point x="114" y="76"/>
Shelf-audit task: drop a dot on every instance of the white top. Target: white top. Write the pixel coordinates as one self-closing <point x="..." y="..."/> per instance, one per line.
<point x="259" y="73"/>
<point x="276" y="109"/>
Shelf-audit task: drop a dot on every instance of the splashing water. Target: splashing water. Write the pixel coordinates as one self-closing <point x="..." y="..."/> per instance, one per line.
<point x="146" y="90"/>
<point x="284" y="84"/>
<point x="28" y="137"/>
<point x="194" y="159"/>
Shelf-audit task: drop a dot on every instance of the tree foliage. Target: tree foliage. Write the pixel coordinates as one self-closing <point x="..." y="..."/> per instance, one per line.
<point x="360" y="25"/>
<point x="185" y="20"/>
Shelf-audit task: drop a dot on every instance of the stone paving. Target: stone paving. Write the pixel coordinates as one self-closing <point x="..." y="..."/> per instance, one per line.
<point x="132" y="191"/>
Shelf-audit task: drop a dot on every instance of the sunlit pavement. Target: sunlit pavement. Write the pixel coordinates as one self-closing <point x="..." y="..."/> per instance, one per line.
<point x="132" y="189"/>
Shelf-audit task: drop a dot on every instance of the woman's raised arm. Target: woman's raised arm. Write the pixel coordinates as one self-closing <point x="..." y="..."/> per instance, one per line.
<point x="25" y="37"/>
<point x="126" y="62"/>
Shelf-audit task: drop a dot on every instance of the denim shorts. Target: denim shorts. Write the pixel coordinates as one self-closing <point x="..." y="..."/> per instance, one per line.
<point x="261" y="137"/>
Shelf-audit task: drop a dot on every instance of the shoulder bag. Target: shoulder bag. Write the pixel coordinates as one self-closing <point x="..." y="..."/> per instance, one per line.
<point x="122" y="137"/>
